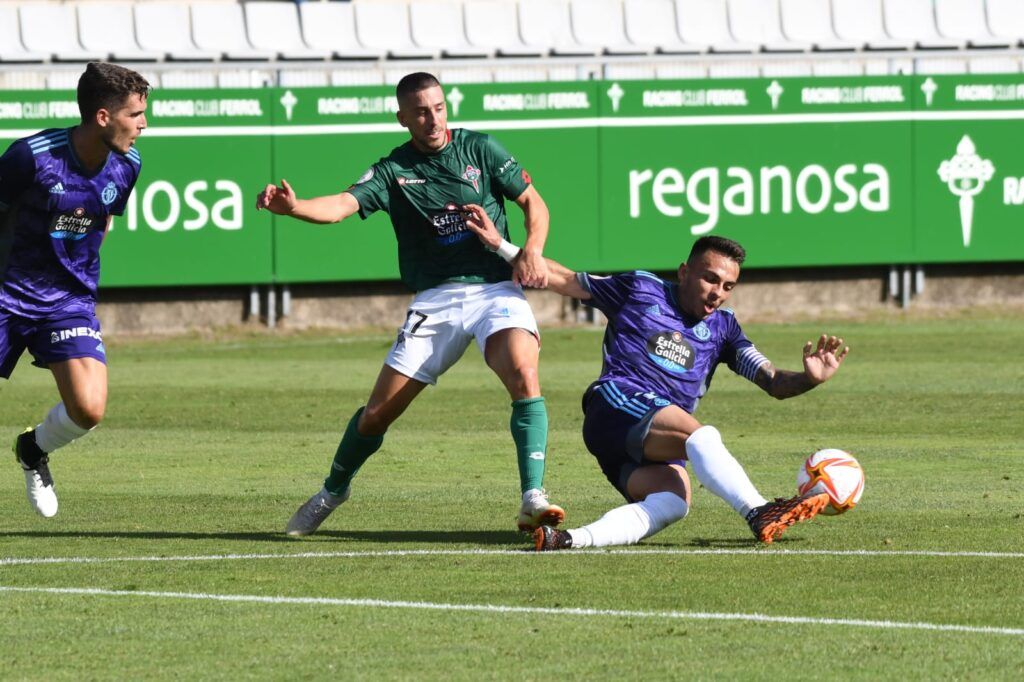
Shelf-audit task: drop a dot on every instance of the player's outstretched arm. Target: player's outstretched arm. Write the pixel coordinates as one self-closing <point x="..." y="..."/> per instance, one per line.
<point x="331" y="208"/>
<point x="530" y="270"/>
<point x="559" y="278"/>
<point x="820" y="364"/>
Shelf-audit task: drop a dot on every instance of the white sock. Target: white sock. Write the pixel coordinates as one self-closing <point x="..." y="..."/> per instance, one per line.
<point x="718" y="471"/>
<point x="631" y="523"/>
<point x="57" y="430"/>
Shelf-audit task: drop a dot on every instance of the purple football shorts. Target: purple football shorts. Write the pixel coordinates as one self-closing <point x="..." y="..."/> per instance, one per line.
<point x="49" y="340"/>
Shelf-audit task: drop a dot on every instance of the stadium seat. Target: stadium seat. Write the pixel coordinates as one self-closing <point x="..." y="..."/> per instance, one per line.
<point x="1006" y="20"/>
<point x="706" y="22"/>
<point x="547" y="22"/>
<point x="495" y="24"/>
<point x="274" y="26"/>
<point x="11" y="48"/>
<point x="965" y="20"/>
<point x="385" y="26"/>
<point x="439" y="26"/>
<point x="914" y="21"/>
<point x="810" y="21"/>
<point x="861" y="21"/>
<point x="653" y="23"/>
<point x="165" y="27"/>
<point x="758" y="21"/>
<point x="110" y="27"/>
<point x="52" y="30"/>
<point x="331" y="27"/>
<point x="220" y="27"/>
<point x="599" y="22"/>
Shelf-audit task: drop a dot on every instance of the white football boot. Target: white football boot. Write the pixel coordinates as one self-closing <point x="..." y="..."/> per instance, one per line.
<point x="537" y="511"/>
<point x="38" y="481"/>
<point x="314" y="511"/>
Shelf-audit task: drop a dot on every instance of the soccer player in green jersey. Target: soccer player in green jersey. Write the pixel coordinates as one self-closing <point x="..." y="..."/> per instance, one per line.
<point x="463" y="292"/>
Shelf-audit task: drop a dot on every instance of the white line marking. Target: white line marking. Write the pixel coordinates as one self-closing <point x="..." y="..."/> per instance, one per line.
<point x="34" y="561"/>
<point x="493" y="608"/>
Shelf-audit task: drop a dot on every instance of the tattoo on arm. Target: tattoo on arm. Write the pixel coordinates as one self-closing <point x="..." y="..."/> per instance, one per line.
<point x="781" y="383"/>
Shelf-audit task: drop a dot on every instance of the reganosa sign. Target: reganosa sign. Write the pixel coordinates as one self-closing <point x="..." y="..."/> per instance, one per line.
<point x="738" y="191"/>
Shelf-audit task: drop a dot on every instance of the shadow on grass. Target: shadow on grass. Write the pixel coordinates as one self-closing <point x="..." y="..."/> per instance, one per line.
<point x="441" y="537"/>
<point x="735" y="542"/>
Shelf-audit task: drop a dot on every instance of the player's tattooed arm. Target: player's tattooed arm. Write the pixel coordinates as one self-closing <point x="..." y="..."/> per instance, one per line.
<point x="821" y="362"/>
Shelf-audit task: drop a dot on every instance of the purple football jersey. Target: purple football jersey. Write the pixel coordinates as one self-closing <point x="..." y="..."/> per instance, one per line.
<point x="59" y="215"/>
<point x="652" y="344"/>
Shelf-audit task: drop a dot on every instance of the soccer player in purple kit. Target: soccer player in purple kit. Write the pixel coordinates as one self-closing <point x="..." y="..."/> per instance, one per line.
<point x="58" y="191"/>
<point x="662" y="345"/>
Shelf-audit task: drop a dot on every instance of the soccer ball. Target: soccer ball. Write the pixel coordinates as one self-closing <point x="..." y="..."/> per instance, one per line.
<point x="834" y="472"/>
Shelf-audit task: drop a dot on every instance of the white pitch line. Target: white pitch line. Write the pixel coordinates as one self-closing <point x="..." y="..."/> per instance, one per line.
<point x="34" y="561"/>
<point x="532" y="610"/>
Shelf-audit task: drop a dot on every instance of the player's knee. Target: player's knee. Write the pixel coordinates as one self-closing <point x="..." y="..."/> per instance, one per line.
<point x="374" y="421"/>
<point x="87" y="414"/>
<point x="665" y="508"/>
<point x="525" y="383"/>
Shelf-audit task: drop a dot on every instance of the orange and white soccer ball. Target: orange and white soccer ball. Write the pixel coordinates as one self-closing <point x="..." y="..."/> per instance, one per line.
<point x="834" y="472"/>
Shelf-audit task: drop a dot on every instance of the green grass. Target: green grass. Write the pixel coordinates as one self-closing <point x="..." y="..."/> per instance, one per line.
<point x="209" y="446"/>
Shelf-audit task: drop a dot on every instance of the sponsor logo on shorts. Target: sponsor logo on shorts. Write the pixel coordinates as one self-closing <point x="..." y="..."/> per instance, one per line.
<point x="670" y="351"/>
<point x="701" y="331"/>
<point x="73" y="332"/>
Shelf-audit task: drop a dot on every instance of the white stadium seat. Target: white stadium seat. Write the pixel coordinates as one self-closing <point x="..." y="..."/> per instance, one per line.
<point x="274" y="26"/>
<point x="965" y="20"/>
<point x="810" y="21"/>
<point x="439" y="26"/>
<point x="599" y="22"/>
<point x="653" y="23"/>
<point x="547" y="22"/>
<point x="861" y="21"/>
<point x="495" y="24"/>
<point x="1006" y="19"/>
<point x="52" y="29"/>
<point x="759" y="21"/>
<point x="706" y="22"/>
<point x="914" y="20"/>
<point x="11" y="48"/>
<point x="166" y="27"/>
<point x="110" y="27"/>
<point x="385" y="26"/>
<point x="331" y="26"/>
<point x="220" y="27"/>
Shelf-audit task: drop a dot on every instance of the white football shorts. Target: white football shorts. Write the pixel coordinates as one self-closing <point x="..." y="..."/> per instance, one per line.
<point x="441" y="322"/>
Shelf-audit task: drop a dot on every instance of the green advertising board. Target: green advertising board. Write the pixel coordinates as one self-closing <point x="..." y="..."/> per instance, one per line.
<point x="802" y="171"/>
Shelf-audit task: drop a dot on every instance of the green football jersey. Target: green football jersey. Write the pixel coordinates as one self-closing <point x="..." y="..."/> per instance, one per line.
<point x="423" y="193"/>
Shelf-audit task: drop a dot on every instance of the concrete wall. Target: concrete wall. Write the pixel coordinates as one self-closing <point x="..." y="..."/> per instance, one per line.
<point x="763" y="295"/>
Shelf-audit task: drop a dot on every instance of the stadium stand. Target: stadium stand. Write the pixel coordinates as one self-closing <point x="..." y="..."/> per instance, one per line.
<point x="226" y="43"/>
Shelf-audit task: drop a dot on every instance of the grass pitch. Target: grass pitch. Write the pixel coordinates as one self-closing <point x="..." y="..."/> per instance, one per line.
<point x="169" y="561"/>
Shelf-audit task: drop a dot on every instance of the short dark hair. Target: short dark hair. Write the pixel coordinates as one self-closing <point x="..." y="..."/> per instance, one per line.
<point x="414" y="82"/>
<point x="107" y="86"/>
<point x="726" y="247"/>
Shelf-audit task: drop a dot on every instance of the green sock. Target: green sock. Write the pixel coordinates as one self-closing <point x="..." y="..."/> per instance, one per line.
<point x="353" y="450"/>
<point x="529" y="425"/>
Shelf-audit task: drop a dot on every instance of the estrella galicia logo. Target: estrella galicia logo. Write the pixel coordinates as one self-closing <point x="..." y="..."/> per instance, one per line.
<point x="109" y="193"/>
<point x="701" y="331"/>
<point x="73" y="225"/>
<point x="450" y="226"/>
<point x="472" y="174"/>
<point x="671" y="352"/>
